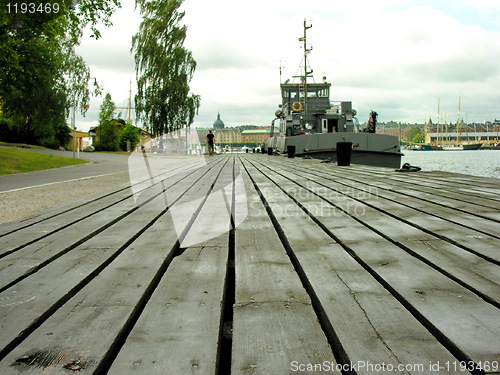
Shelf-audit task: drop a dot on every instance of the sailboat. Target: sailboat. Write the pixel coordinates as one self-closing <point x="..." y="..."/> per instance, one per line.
<point x="465" y="145"/>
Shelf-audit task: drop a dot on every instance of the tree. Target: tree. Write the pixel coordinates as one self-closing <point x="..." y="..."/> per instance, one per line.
<point x="107" y="110"/>
<point x="130" y="134"/>
<point x="41" y="75"/>
<point x="107" y="130"/>
<point x="419" y="138"/>
<point x="164" y="68"/>
<point x="410" y="134"/>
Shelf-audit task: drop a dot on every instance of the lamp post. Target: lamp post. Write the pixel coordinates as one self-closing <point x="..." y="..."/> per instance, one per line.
<point x="74" y="131"/>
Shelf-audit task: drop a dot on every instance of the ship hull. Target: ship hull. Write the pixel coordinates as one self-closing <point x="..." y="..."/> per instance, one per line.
<point x="475" y="146"/>
<point x="368" y="148"/>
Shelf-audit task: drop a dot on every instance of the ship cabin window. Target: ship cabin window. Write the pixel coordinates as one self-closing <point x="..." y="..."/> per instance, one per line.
<point x="317" y="93"/>
<point x="288" y="93"/>
<point x="323" y="93"/>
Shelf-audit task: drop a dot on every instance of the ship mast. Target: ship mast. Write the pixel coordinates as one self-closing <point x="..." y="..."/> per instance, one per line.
<point x="306" y="73"/>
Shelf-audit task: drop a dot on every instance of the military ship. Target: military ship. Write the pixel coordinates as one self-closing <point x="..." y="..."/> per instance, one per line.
<point x="312" y="125"/>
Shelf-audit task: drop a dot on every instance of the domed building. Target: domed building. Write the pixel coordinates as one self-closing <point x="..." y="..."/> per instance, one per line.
<point x="218" y="124"/>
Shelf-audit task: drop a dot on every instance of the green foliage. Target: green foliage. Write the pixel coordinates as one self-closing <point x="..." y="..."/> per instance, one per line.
<point x="410" y="134"/>
<point x="108" y="132"/>
<point x="419" y="138"/>
<point x="108" y="129"/>
<point x="164" y="68"/>
<point x="41" y="75"/>
<point x="106" y="112"/>
<point x="129" y="134"/>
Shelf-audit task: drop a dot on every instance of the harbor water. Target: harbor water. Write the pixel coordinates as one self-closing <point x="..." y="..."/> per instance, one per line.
<point x="485" y="163"/>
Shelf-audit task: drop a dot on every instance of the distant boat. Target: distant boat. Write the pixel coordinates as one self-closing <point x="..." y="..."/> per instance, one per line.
<point x="426" y="147"/>
<point x="471" y="146"/>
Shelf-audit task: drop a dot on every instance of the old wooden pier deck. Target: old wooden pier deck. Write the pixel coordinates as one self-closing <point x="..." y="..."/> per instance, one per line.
<point x="256" y="264"/>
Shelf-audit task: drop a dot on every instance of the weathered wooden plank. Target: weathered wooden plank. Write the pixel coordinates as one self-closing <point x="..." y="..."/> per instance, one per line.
<point x="274" y="322"/>
<point x="24" y="303"/>
<point x="367" y="184"/>
<point x="178" y="332"/>
<point x="30" y="298"/>
<point x="363" y="189"/>
<point x="83" y="329"/>
<point x="276" y="337"/>
<point x="439" y="302"/>
<point x="214" y="218"/>
<point x="62" y="217"/>
<point x="469" y="239"/>
<point x="370" y="323"/>
<point x="114" y="294"/>
<point x="484" y="187"/>
<point x="411" y="185"/>
<point x="179" y="329"/>
<point x="480" y="274"/>
<point x="36" y="254"/>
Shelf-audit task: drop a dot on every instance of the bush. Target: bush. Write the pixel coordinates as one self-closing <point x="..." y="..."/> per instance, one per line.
<point x="49" y="142"/>
<point x="129" y="134"/>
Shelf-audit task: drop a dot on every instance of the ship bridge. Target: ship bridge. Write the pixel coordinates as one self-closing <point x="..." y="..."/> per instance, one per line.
<point x="313" y="97"/>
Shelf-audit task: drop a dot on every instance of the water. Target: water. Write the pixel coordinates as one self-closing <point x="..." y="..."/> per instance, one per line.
<point x="484" y="163"/>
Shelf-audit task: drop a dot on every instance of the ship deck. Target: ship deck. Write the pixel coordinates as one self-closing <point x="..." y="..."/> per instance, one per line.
<point x="284" y="266"/>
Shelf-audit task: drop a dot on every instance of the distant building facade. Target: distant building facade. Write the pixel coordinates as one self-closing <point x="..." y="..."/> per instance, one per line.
<point x="258" y="135"/>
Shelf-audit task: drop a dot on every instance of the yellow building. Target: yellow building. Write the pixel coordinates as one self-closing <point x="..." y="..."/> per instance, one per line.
<point x="257" y="135"/>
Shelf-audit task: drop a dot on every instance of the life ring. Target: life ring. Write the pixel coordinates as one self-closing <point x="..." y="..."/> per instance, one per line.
<point x="297" y="106"/>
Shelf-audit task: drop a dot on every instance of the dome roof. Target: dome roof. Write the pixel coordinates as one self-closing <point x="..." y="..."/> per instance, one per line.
<point x="218" y="124"/>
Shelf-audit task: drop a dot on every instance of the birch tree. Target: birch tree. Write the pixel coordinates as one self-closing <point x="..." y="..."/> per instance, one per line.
<point x="164" y="68"/>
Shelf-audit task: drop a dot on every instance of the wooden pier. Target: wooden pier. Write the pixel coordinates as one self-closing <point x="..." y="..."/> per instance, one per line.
<point x="257" y="264"/>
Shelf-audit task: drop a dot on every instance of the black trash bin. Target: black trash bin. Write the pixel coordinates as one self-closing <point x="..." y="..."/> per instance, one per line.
<point x="344" y="153"/>
<point x="269" y="150"/>
<point x="290" y="150"/>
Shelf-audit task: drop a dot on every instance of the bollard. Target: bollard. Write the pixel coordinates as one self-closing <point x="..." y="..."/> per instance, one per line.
<point x="290" y="150"/>
<point x="344" y="153"/>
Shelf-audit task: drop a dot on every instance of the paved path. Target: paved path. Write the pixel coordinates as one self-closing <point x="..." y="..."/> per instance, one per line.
<point x="101" y="164"/>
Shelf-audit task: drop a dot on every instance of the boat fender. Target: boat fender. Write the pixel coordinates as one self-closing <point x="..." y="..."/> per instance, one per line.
<point x="406" y="167"/>
<point x="297" y="106"/>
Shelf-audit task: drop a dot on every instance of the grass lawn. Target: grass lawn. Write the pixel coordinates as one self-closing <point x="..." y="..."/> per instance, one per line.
<point x="14" y="160"/>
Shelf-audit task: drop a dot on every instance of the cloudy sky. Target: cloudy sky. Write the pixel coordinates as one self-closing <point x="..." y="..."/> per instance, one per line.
<point x="393" y="56"/>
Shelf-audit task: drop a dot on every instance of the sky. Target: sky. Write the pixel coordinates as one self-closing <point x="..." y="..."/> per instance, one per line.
<point x="397" y="57"/>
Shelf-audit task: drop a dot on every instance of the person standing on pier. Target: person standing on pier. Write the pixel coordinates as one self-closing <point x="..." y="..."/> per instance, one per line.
<point x="210" y="141"/>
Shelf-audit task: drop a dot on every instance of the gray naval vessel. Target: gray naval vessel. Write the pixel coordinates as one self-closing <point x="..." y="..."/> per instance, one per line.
<point x="312" y="125"/>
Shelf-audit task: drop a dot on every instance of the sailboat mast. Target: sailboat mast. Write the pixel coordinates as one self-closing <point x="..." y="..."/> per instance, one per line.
<point x="439" y="120"/>
<point x="459" y="128"/>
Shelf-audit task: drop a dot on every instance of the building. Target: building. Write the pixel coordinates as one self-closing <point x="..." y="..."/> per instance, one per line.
<point x="257" y="136"/>
<point x="227" y="135"/>
<point x="83" y="139"/>
<point x="218" y="124"/>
